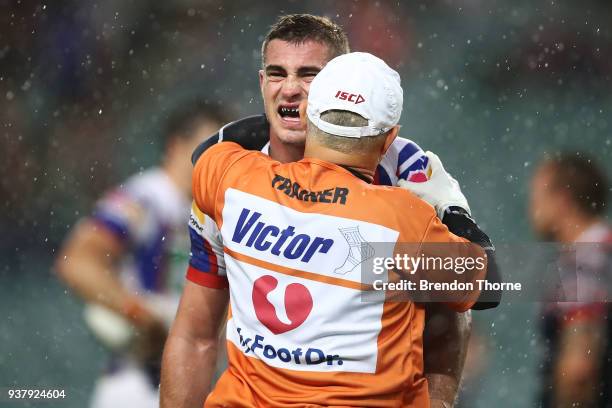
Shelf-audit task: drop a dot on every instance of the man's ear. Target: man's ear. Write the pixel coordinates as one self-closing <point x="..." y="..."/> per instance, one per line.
<point x="302" y="109"/>
<point x="261" y="80"/>
<point x="391" y="135"/>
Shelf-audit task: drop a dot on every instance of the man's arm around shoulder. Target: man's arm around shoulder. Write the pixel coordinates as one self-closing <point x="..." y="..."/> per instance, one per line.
<point x="251" y="133"/>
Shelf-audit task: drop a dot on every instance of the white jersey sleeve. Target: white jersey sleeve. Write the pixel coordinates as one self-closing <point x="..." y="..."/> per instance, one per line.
<point x="404" y="160"/>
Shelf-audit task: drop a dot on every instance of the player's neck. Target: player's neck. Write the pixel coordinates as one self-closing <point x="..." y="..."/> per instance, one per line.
<point x="285" y="152"/>
<point x="362" y="164"/>
<point x="364" y="174"/>
<point x="574" y="225"/>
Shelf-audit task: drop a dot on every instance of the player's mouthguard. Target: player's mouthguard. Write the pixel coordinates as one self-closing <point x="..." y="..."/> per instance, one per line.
<point x="292" y="112"/>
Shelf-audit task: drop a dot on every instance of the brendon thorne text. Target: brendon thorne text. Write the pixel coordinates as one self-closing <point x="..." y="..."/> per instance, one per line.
<point x="425" y="285"/>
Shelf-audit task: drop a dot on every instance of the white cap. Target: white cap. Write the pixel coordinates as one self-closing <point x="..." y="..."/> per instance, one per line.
<point x="361" y="83"/>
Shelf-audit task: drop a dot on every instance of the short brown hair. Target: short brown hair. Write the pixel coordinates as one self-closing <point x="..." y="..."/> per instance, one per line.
<point x="583" y="179"/>
<point x="299" y="28"/>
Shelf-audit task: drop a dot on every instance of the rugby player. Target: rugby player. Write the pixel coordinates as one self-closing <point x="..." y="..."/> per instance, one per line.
<point x="319" y="344"/>
<point x="568" y="202"/>
<point x="293" y="52"/>
<point x="127" y="261"/>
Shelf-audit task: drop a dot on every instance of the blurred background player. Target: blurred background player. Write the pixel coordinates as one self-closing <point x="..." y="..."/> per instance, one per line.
<point x="127" y="261"/>
<point x="568" y="201"/>
<point x="295" y="49"/>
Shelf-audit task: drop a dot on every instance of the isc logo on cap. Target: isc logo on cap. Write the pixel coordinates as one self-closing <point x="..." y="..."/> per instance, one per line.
<point x="345" y="96"/>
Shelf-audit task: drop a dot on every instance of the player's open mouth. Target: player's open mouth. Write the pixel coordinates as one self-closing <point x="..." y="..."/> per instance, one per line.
<point x="289" y="114"/>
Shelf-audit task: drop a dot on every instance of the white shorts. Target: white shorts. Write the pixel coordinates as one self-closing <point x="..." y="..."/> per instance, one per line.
<point x="127" y="388"/>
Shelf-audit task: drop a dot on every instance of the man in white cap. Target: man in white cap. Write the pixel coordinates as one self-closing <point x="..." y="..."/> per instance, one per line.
<point x="298" y="332"/>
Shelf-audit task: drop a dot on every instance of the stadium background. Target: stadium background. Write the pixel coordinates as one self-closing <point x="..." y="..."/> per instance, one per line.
<point x="84" y="87"/>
